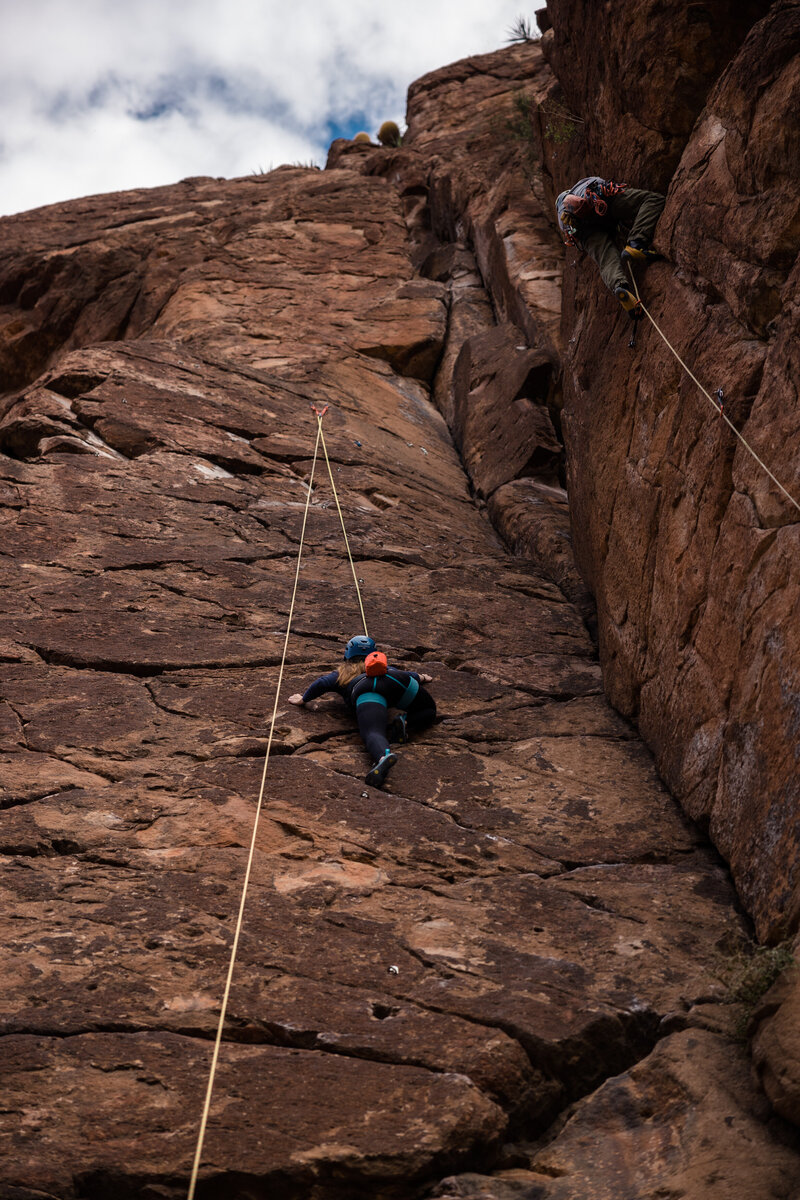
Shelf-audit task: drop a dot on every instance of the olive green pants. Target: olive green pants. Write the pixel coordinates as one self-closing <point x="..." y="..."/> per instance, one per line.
<point x="635" y="209"/>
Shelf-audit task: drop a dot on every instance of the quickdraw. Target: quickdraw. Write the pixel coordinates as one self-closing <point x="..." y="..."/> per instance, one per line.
<point x="632" y="342"/>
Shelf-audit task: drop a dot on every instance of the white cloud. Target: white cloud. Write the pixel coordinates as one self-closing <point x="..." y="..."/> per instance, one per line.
<point x="97" y="97"/>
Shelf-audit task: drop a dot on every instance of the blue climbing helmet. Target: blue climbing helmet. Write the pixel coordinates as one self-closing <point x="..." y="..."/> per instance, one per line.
<point x="359" y="647"/>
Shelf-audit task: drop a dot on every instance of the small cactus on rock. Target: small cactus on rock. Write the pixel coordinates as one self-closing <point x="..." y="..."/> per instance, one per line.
<point x="362" y="137"/>
<point x="389" y="134"/>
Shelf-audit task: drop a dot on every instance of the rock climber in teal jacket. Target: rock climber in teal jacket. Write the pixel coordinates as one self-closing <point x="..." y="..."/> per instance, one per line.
<point x="371" y="687"/>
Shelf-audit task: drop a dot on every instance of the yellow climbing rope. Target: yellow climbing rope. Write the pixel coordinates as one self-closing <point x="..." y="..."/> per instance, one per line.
<point x="319" y="416"/>
<point x="714" y="404"/>
<point x="234" y="948"/>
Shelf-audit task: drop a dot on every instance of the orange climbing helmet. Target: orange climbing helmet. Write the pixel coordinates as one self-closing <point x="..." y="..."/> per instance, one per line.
<point x="376" y="664"/>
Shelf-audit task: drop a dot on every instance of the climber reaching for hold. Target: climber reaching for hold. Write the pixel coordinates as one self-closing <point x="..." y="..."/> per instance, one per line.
<point x="371" y="687"/>
<point x="588" y="216"/>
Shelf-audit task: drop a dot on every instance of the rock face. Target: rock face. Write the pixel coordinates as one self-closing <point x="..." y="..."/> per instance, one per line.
<point x="649" y="1148"/>
<point x="776" y="1043"/>
<point x="444" y="988"/>
<point x="633" y="77"/>
<point x="689" y="547"/>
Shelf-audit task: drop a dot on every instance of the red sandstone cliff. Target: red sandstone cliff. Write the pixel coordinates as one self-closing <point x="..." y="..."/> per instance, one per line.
<point x="557" y="925"/>
<point x="690" y="549"/>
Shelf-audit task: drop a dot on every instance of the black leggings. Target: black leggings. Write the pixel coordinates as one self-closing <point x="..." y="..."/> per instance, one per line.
<point x="421" y="711"/>
<point x="372" y="720"/>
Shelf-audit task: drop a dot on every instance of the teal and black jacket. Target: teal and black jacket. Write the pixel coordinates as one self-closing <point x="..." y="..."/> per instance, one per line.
<point x="395" y="689"/>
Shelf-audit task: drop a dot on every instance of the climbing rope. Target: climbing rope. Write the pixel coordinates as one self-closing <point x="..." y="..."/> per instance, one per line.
<point x="715" y="404"/>
<point x="319" y="416"/>
<point x="223" y="1010"/>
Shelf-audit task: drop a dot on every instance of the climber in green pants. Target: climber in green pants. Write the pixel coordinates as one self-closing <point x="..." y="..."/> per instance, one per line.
<point x="588" y="216"/>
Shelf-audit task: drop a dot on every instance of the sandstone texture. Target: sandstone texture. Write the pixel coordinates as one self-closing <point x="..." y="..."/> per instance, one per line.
<point x="633" y="78"/>
<point x="776" y="1043"/>
<point x="689" y="547"/>
<point x="708" y="1139"/>
<point x="461" y="985"/>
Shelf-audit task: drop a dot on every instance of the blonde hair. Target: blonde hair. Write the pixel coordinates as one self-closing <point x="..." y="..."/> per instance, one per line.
<point x="348" y="672"/>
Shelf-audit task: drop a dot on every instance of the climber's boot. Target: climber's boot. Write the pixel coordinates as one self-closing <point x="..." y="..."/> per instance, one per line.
<point x="376" y="776"/>
<point x="398" y="729"/>
<point x="638" y="251"/>
<point x="632" y="306"/>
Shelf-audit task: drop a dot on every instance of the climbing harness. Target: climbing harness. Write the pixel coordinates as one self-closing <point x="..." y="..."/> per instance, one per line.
<point x="405" y="694"/>
<point x="718" y="404"/>
<point x="320" y="440"/>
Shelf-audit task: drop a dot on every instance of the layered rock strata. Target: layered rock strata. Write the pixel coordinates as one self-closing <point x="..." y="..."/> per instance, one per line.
<point x="548" y="914"/>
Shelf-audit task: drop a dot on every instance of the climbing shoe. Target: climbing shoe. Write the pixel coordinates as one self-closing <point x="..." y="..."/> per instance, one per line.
<point x="376" y="776"/>
<point x="398" y="729"/>
<point x="629" y="302"/>
<point x="637" y="251"/>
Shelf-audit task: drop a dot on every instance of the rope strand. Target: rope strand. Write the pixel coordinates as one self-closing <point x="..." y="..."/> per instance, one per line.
<point x="708" y="396"/>
<point x="341" y="520"/>
<point x="223" y="1009"/>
